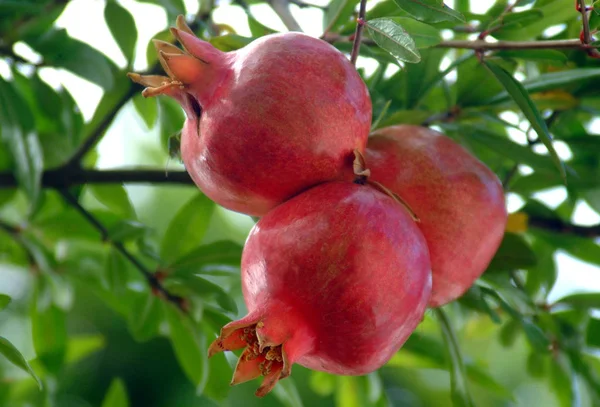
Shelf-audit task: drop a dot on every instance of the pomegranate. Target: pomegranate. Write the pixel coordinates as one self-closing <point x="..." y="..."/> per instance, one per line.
<point x="460" y="202"/>
<point x="335" y="279"/>
<point x="264" y="122"/>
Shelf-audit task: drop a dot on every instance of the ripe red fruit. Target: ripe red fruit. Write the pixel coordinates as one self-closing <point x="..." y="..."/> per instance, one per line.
<point x="264" y="122"/>
<point x="335" y="279"/>
<point x="459" y="201"/>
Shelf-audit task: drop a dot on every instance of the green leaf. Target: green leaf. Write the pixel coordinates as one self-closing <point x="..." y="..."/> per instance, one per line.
<point x="552" y="80"/>
<point x="458" y="378"/>
<point x="203" y="287"/>
<point x="390" y="36"/>
<point x="593" y="333"/>
<point x="49" y="329"/>
<point x="207" y="259"/>
<point x="145" y="317"/>
<point x="116" y="272"/>
<point x="430" y="11"/>
<point x="4" y="301"/>
<point x="582" y="248"/>
<point x="230" y="42"/>
<point x="583" y="301"/>
<point x="122" y="27"/>
<point x="503" y="146"/>
<point x="189" y="345"/>
<point x="186" y="230"/>
<point x="521" y="98"/>
<point x="519" y="20"/>
<point x="116" y="396"/>
<point x="62" y="51"/>
<point x="16" y="132"/>
<point x="126" y="230"/>
<point x="338" y="13"/>
<point x="81" y="346"/>
<point x="551" y="56"/>
<point x="11" y="353"/>
<point x="115" y="198"/>
<point x="171" y="119"/>
<point x="424" y="35"/>
<point x="514" y="253"/>
<point x="322" y="383"/>
<point x="147" y="108"/>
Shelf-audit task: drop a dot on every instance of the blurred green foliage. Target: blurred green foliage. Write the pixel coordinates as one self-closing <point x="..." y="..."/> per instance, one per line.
<point x="79" y="318"/>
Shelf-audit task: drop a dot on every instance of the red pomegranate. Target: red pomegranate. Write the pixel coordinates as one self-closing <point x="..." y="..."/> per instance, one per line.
<point x="264" y="122"/>
<point x="460" y="202"/>
<point x="335" y="279"/>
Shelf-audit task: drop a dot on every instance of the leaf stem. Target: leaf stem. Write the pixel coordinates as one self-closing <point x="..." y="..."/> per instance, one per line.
<point x="151" y="278"/>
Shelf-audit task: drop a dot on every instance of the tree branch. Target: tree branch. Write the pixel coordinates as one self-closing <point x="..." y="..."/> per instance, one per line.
<point x="65" y="177"/>
<point x="586" y="35"/>
<point x="151" y="278"/>
<point x="557" y="225"/>
<point x="360" y="26"/>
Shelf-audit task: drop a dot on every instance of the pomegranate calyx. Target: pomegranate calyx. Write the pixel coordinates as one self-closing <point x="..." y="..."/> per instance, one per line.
<point x="257" y="359"/>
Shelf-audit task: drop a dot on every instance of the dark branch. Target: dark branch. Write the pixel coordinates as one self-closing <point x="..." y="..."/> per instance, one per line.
<point x="360" y="25"/>
<point x="65" y="177"/>
<point x="151" y="278"/>
<point x="557" y="225"/>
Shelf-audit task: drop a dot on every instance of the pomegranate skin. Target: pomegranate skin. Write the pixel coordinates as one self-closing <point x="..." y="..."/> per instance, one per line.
<point x="338" y="277"/>
<point x="460" y="202"/>
<point x="267" y="121"/>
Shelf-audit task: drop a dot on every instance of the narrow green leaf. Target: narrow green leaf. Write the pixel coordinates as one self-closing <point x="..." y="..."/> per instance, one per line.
<point x="122" y="27"/>
<point x="503" y="146"/>
<point x="4" y="301"/>
<point x="145" y="317"/>
<point x="189" y="345"/>
<point x="538" y="55"/>
<point x="514" y="253"/>
<point x="338" y="13"/>
<point x="583" y="301"/>
<point x="206" y="258"/>
<point x="16" y="132"/>
<point x="390" y="36"/>
<point x="147" y="108"/>
<point x="14" y="356"/>
<point x="60" y="50"/>
<point x="519" y="20"/>
<point x="81" y="346"/>
<point x="116" y="272"/>
<point x="115" y="198"/>
<point x="382" y="114"/>
<point x="521" y="98"/>
<point x="127" y="230"/>
<point x="458" y="378"/>
<point x="430" y="11"/>
<point x="424" y="35"/>
<point x="552" y="80"/>
<point x="116" y="396"/>
<point x="49" y="330"/>
<point x="186" y="230"/>
<point x="203" y="287"/>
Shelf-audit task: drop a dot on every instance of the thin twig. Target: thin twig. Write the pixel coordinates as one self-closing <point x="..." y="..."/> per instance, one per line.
<point x="509" y="8"/>
<point x="360" y="25"/>
<point x="586" y="35"/>
<point x="151" y="278"/>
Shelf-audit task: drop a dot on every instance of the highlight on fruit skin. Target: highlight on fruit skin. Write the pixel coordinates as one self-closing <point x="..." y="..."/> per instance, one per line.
<point x="265" y="122"/>
<point x="335" y="279"/>
<point x="458" y="199"/>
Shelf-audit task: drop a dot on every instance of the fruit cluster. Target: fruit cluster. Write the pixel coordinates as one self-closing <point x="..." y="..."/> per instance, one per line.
<point x="345" y="258"/>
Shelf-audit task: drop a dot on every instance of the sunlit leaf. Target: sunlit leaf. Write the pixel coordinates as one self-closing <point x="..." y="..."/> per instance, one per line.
<point x="522" y="99"/>
<point x="390" y="36"/>
<point x="122" y="27"/>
